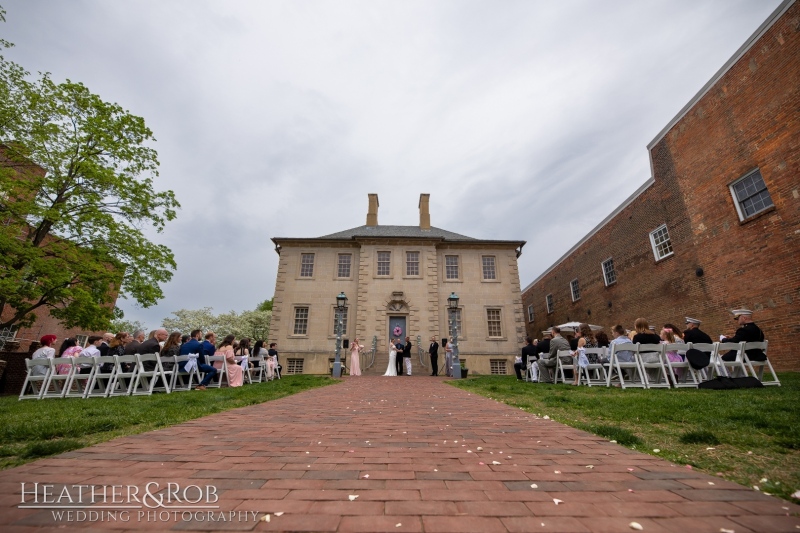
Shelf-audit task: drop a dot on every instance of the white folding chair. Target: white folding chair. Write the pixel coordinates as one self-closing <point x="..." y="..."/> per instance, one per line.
<point x="182" y="379"/>
<point x="651" y="360"/>
<point x="594" y="373"/>
<point x="55" y="386"/>
<point x="78" y="384"/>
<point x="168" y="368"/>
<point x="37" y="372"/>
<point x="752" y="365"/>
<point x="222" y="372"/>
<point x="617" y="368"/>
<point x="736" y="366"/>
<point x="103" y="377"/>
<point x="125" y="367"/>
<point x="532" y="370"/>
<point x="681" y="373"/>
<point x="256" y="373"/>
<point x="561" y="366"/>
<point x="148" y="372"/>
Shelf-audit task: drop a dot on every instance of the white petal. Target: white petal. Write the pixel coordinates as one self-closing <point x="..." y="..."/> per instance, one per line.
<point x="796" y="495"/>
<point x="495" y="462"/>
<point x="265" y="518"/>
<point x="279" y="514"/>
<point x="534" y="486"/>
<point x="589" y="466"/>
<point x="353" y="497"/>
<point x="366" y="476"/>
<point x="636" y="525"/>
<point x="723" y="530"/>
<point x="557" y="501"/>
<point x="763" y="480"/>
<point x="546" y="417"/>
<point x="398" y="525"/>
<point x="656" y="450"/>
<point x="557" y="471"/>
<point x="479" y="449"/>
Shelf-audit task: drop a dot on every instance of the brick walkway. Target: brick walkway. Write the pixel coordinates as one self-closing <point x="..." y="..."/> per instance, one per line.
<point x="408" y="448"/>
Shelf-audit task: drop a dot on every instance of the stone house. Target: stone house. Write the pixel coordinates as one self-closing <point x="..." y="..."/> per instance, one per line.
<point x="397" y="277"/>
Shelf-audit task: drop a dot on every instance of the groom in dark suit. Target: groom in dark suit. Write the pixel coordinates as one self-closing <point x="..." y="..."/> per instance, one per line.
<point x="398" y="361"/>
<point x="407" y="356"/>
<point x="434" y="351"/>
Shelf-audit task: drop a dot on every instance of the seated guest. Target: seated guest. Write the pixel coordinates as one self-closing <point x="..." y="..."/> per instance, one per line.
<point x="69" y="348"/>
<point x="694" y="334"/>
<point x="45" y="352"/>
<point x="273" y="365"/>
<point x="92" y="350"/>
<point x="747" y="332"/>
<point x="235" y="373"/>
<point x="134" y="343"/>
<point x="602" y="339"/>
<point x="620" y="337"/>
<point x="528" y="350"/>
<point x="172" y="347"/>
<point x="543" y="346"/>
<point x="586" y="340"/>
<point x="643" y="335"/>
<point x="152" y="345"/>
<point x="547" y="362"/>
<point x="106" y="344"/>
<point x="194" y="346"/>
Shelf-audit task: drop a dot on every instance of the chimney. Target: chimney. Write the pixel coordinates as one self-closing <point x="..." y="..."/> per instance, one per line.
<point x="372" y="213"/>
<point x="424" y="213"/>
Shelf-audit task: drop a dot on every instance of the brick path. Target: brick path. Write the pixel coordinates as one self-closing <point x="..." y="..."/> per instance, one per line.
<point x="402" y="445"/>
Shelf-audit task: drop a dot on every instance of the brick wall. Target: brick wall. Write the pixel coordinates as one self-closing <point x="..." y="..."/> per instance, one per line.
<point x="747" y="120"/>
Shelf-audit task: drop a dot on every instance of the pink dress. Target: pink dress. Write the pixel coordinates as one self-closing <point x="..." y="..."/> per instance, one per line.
<point x="73" y="351"/>
<point x="235" y="372"/>
<point x="355" y="363"/>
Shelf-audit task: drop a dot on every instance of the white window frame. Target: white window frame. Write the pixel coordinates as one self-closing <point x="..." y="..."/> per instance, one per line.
<point x="655" y="245"/>
<point x="530" y="313"/>
<point x="81" y="340"/>
<point x="409" y="263"/>
<point x="548" y="302"/>
<point x="339" y="266"/>
<point x="493" y="267"/>
<point x="303" y="264"/>
<point x="575" y="289"/>
<point x="612" y="270"/>
<point x="295" y="318"/>
<point x="490" y="321"/>
<point x="379" y="263"/>
<point x="294" y="366"/>
<point x="457" y="266"/>
<point x="498" y="367"/>
<point x="740" y="210"/>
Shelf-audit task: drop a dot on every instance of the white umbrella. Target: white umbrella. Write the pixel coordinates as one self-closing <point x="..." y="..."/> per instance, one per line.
<point x="573" y="326"/>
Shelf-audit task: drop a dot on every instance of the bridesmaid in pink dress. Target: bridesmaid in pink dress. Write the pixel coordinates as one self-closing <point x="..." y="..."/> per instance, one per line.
<point x="235" y="373"/>
<point x="355" y="361"/>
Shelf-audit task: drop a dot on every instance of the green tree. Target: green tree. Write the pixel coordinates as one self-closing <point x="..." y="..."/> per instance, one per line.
<point x="266" y="305"/>
<point x="186" y="320"/>
<point x="129" y="326"/>
<point x="73" y="237"/>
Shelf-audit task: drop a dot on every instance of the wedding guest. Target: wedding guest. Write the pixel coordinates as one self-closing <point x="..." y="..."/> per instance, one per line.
<point x="106" y="344"/>
<point x="274" y="367"/>
<point x="694" y="334"/>
<point x="602" y="339"/>
<point x="586" y="340"/>
<point x="235" y="372"/>
<point x="747" y="332"/>
<point x="355" y="358"/>
<point x="194" y="346"/>
<point x="621" y="337"/>
<point x="529" y="350"/>
<point x="45" y="352"/>
<point x="547" y="362"/>
<point x="171" y="348"/>
<point x="69" y="348"/>
<point x="407" y="356"/>
<point x="643" y="335"/>
<point x="92" y="350"/>
<point x="433" y="350"/>
<point x="134" y="343"/>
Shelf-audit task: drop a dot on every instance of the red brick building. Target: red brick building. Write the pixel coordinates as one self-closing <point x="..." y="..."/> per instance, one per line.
<point x="717" y="226"/>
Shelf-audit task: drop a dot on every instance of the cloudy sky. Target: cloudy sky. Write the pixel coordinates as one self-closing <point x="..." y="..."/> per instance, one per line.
<point x="522" y="119"/>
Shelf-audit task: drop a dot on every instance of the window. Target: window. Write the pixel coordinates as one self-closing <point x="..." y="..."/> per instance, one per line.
<point x="336" y="321"/>
<point x="451" y="267"/>
<point x="81" y="339"/>
<point x="497" y="367"/>
<point x="489" y="271"/>
<point x="412" y="263"/>
<point x="549" y="301"/>
<point x="7" y="334"/>
<point x="294" y="366"/>
<point x="384" y="263"/>
<point x="300" y="321"/>
<point x="575" y="289"/>
<point x="306" y="265"/>
<point x="609" y="274"/>
<point x="530" y="313"/>
<point x="343" y="270"/>
<point x="662" y="246"/>
<point x="751" y="195"/>
<point x="455" y="315"/>
<point x="493" y="320"/>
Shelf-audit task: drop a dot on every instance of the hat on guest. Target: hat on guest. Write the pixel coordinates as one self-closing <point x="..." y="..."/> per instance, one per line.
<point x="738" y="312"/>
<point x="690" y="320"/>
<point x="47" y="340"/>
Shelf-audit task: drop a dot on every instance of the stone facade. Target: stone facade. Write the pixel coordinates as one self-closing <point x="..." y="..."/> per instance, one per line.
<point x="397" y="275"/>
<point x="743" y="123"/>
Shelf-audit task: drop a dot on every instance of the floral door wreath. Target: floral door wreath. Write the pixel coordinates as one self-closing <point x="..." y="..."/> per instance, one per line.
<point x="397" y="331"/>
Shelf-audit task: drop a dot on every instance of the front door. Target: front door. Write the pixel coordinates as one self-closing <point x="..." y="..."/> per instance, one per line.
<point x="397" y="327"/>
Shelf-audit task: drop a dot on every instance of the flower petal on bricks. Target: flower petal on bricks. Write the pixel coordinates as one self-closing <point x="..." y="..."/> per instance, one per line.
<point x="279" y="513"/>
<point x="635" y="525"/>
<point x="495" y="462"/>
<point x="353" y="497"/>
<point x="534" y="486"/>
<point x="265" y="518"/>
<point x="723" y="530"/>
<point x="557" y="471"/>
<point x="589" y="466"/>
<point x="557" y="501"/>
<point x="796" y="495"/>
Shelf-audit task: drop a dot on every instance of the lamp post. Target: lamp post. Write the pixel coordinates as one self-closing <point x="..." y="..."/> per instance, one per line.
<point x="452" y="306"/>
<point x="341" y="307"/>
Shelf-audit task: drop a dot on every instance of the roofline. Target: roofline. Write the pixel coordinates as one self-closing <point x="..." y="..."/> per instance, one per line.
<point x="357" y="238"/>
<point x="765" y="26"/>
<point x="597" y="228"/>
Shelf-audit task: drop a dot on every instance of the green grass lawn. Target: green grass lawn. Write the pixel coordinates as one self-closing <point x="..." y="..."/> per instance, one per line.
<point x="31" y="429"/>
<point x="745" y="436"/>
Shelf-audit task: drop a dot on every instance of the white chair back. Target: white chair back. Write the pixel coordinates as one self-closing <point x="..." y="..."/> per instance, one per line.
<point x="37" y="372"/>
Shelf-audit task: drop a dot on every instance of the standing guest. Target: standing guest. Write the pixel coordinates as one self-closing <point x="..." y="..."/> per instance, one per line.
<point x="273" y="360"/>
<point x="194" y="346"/>
<point x="586" y="340"/>
<point x="355" y="358"/>
<point x="235" y="372"/>
<point x="69" y="348"/>
<point x="45" y="352"/>
<point x="433" y="350"/>
<point x="694" y="334"/>
<point x="528" y="350"/>
<point x="547" y="362"/>
<point x="747" y="332"/>
<point x="448" y="358"/>
<point x="92" y="350"/>
<point x="133" y="344"/>
<point x="407" y="355"/>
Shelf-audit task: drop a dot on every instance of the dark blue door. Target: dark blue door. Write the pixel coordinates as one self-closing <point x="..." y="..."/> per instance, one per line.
<point x="397" y="324"/>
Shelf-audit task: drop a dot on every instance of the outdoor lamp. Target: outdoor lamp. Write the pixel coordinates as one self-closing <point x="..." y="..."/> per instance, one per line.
<point x="452" y="301"/>
<point x="341" y="301"/>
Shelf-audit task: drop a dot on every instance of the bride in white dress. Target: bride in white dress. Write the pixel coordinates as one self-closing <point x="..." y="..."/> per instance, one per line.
<point x="392" y="370"/>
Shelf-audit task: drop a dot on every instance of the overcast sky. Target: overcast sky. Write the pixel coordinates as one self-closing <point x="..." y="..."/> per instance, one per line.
<point x="522" y="119"/>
